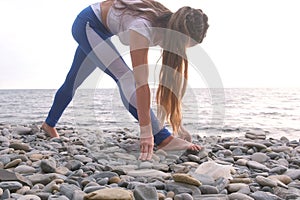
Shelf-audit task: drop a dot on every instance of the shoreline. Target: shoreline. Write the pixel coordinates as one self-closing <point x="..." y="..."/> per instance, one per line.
<point x="90" y="165"/>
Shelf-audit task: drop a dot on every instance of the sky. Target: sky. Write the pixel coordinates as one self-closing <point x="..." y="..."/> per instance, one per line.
<point x="252" y="43"/>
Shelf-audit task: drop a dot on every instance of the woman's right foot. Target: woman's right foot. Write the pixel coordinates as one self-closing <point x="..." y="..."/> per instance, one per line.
<point x="50" y="131"/>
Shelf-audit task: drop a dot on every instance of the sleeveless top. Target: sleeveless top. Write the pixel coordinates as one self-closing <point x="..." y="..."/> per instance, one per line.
<point x="120" y="23"/>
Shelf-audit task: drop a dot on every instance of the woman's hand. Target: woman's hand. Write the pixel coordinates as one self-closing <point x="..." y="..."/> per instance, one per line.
<point x="146" y="146"/>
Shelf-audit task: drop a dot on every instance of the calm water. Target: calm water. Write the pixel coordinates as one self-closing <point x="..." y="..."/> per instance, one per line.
<point x="276" y="111"/>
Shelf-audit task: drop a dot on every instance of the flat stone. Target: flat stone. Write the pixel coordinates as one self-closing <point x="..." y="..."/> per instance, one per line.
<point x="25" y="169"/>
<point x="259" y="157"/>
<point x="257" y="165"/>
<point x="6" y="175"/>
<point x="68" y="189"/>
<point x="20" y="146"/>
<point x="239" y="196"/>
<point x="13" y="163"/>
<point x="278" y="170"/>
<point x="186" y="178"/>
<point x="254" y="144"/>
<point x="48" y="166"/>
<point x="178" y="188"/>
<point x="260" y="195"/>
<point x="183" y="196"/>
<point x="10" y="185"/>
<point x="83" y="158"/>
<point x="255" y="135"/>
<point x="265" y="181"/>
<point x="215" y="170"/>
<point x="147" y="173"/>
<point x="283" y="178"/>
<point x="29" y="197"/>
<point x="21" y="130"/>
<point x="208" y="189"/>
<point x="110" y="194"/>
<point x="236" y="187"/>
<point x="293" y="173"/>
<point x="144" y="192"/>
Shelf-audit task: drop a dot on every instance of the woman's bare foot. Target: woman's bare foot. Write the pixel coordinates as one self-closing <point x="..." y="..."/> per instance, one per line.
<point x="184" y="134"/>
<point x="172" y="143"/>
<point x="51" y="131"/>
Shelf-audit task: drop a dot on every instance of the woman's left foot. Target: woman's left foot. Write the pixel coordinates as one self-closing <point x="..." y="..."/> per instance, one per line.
<point x="172" y="143"/>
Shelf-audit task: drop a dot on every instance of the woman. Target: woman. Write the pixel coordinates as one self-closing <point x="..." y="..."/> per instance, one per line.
<point x="139" y="24"/>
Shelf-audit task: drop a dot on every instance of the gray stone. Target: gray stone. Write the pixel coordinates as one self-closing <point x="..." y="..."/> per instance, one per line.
<point x="5" y="195"/>
<point x="178" y="188"/>
<point x="236" y="187"/>
<point x="259" y="157"/>
<point x="21" y="130"/>
<point x="254" y="144"/>
<point x="29" y="197"/>
<point x="48" y="166"/>
<point x="203" y="178"/>
<point x="208" y="189"/>
<point x="293" y="173"/>
<point x="13" y="163"/>
<point x="256" y="165"/>
<point x="183" y="196"/>
<point x="83" y="158"/>
<point x="68" y="189"/>
<point x="260" y="195"/>
<point x="78" y="195"/>
<point x="255" y="135"/>
<point x="58" y="197"/>
<point x="213" y="197"/>
<point x="147" y="173"/>
<point x="265" y="181"/>
<point x="6" y="175"/>
<point x="278" y="170"/>
<point x="73" y="165"/>
<point x="239" y="196"/>
<point x="25" y="169"/>
<point x="144" y="192"/>
<point x="10" y="185"/>
<point x="20" y="146"/>
<point x="4" y="159"/>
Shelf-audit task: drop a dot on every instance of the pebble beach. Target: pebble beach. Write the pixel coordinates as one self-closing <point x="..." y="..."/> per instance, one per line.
<point x="106" y="166"/>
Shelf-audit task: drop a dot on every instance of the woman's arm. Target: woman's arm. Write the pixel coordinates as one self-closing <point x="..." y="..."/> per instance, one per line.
<point x="139" y="46"/>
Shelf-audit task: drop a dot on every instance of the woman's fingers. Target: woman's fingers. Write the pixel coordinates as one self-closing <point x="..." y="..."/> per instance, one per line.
<point x="146" y="152"/>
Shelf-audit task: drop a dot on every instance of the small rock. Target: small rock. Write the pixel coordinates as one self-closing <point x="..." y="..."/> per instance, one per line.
<point x="265" y="181"/>
<point x="256" y="165"/>
<point x="29" y="197"/>
<point x="13" y="163"/>
<point x="10" y="185"/>
<point x="239" y="196"/>
<point x="48" y="166"/>
<point x="259" y="157"/>
<point x="20" y="146"/>
<point x="144" y="192"/>
<point x="183" y="196"/>
<point x="186" y="178"/>
<point x="110" y="194"/>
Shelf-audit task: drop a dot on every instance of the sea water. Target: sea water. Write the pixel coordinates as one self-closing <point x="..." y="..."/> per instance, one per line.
<point x="231" y="112"/>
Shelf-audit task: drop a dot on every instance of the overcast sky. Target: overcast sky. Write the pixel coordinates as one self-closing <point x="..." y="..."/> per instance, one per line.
<point x="253" y="43"/>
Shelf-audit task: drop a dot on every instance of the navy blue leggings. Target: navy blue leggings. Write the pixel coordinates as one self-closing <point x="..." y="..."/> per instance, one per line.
<point x="96" y="50"/>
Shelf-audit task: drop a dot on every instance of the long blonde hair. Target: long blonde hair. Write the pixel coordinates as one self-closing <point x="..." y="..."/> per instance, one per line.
<point x="185" y="25"/>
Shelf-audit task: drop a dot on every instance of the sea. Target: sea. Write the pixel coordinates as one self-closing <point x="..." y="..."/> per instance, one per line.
<point x="229" y="112"/>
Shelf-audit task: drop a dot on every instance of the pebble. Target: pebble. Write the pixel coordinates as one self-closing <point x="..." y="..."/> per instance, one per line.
<point x="33" y="166"/>
<point x="185" y="178"/>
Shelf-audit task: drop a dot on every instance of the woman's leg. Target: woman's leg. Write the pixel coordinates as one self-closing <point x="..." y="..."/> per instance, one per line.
<point x="81" y="68"/>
